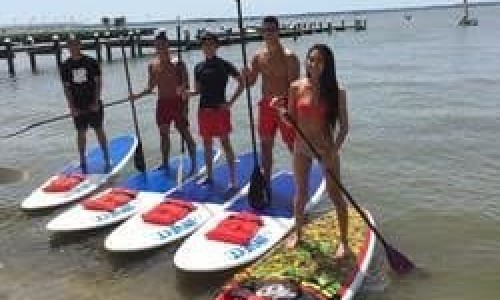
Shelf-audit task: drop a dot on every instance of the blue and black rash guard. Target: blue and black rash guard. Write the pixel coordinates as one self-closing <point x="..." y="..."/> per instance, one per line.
<point x="212" y="76"/>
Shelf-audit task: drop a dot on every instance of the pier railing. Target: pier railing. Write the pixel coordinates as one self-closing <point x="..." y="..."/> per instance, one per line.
<point x="136" y="39"/>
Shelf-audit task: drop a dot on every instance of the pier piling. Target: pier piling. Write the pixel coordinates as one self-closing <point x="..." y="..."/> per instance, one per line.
<point x="10" y="57"/>
<point x="139" y="46"/>
<point x="57" y="49"/>
<point x="131" y="39"/>
<point x="32" y="57"/>
<point x="97" y="45"/>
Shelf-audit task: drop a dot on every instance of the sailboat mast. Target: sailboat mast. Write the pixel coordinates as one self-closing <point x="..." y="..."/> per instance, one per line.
<point x="466" y="8"/>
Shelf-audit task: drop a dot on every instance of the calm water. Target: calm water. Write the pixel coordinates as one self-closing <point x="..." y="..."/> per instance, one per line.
<point x="423" y="156"/>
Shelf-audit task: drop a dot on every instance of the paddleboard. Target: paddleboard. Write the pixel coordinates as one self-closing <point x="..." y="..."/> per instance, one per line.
<point x="199" y="253"/>
<point x="138" y="233"/>
<point x="309" y="271"/>
<point x="148" y="187"/>
<point x="121" y="149"/>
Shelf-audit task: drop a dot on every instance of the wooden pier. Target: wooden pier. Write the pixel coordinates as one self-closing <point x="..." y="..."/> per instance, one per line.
<point x="136" y="39"/>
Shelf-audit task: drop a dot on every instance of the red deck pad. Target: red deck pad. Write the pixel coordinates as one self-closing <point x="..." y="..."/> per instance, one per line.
<point x="64" y="183"/>
<point x="237" y="229"/>
<point x="111" y="200"/>
<point x="168" y="212"/>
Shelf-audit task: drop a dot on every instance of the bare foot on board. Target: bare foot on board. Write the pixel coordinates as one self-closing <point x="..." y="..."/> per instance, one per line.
<point x="341" y="252"/>
<point x="292" y="241"/>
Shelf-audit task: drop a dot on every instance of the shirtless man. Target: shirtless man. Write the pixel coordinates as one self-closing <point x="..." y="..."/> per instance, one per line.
<point x="278" y="67"/>
<point x="170" y="77"/>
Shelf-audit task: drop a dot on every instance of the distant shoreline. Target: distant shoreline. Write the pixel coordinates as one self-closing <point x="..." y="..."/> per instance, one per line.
<point x="251" y="18"/>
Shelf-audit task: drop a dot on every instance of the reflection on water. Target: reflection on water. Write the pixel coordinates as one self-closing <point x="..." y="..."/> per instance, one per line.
<point x="9" y="175"/>
<point x="377" y="279"/>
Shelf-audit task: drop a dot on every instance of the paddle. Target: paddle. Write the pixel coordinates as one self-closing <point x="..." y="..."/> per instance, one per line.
<point x="398" y="262"/>
<point x="139" y="161"/>
<point x="259" y="194"/>
<point x="179" y="59"/>
<point x="54" y="119"/>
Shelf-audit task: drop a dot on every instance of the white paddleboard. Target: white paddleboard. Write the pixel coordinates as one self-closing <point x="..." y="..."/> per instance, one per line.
<point x="121" y="149"/>
<point x="309" y="268"/>
<point x="150" y="187"/>
<point x="136" y="234"/>
<point x="199" y="254"/>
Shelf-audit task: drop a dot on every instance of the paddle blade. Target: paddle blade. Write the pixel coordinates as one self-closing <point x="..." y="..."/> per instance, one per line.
<point x="259" y="195"/>
<point x="139" y="162"/>
<point x="398" y="262"/>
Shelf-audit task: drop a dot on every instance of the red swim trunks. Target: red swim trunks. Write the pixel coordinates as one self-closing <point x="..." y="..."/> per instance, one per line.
<point x="214" y="122"/>
<point x="270" y="121"/>
<point x="170" y="110"/>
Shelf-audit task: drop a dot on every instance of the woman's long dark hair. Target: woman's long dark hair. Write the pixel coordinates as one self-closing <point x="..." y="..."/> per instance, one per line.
<point x="328" y="85"/>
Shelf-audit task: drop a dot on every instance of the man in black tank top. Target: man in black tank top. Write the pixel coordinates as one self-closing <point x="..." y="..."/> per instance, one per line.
<point x="214" y="117"/>
<point x="81" y="77"/>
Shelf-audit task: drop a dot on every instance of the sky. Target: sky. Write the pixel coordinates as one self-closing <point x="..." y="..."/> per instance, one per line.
<point x="90" y="11"/>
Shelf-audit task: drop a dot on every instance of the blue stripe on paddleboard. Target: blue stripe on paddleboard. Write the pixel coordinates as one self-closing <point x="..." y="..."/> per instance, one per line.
<point x="283" y="191"/>
<point x="160" y="179"/>
<point x="118" y="149"/>
<point x="217" y="192"/>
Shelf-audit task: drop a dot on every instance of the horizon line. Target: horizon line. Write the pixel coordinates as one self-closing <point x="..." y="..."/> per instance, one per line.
<point x="256" y="17"/>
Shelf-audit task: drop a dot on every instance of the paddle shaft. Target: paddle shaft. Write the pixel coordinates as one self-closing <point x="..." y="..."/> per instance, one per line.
<point x="54" y="119"/>
<point x="179" y="59"/>
<point x="139" y="153"/>
<point x="258" y="183"/>
<point x="337" y="182"/>
<point x="247" y="87"/>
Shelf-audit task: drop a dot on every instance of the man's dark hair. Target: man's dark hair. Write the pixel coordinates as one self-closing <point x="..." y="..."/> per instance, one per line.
<point x="209" y="36"/>
<point x="161" y="35"/>
<point x="271" y="19"/>
<point x="73" y="40"/>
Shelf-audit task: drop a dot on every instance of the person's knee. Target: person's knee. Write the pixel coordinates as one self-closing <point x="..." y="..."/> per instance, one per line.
<point x="225" y="142"/>
<point x="81" y="132"/>
<point x="267" y="145"/>
<point x="99" y="131"/>
<point x="207" y="142"/>
<point x="164" y="129"/>
<point x="165" y="140"/>
<point x="182" y="126"/>
<point x="337" y="198"/>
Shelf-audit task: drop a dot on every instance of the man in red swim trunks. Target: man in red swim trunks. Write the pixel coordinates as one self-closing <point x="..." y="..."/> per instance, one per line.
<point x="214" y="116"/>
<point x="278" y="67"/>
<point x="170" y="77"/>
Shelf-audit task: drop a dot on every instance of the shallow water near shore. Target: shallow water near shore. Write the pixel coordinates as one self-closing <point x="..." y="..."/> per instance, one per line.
<point x="422" y="156"/>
